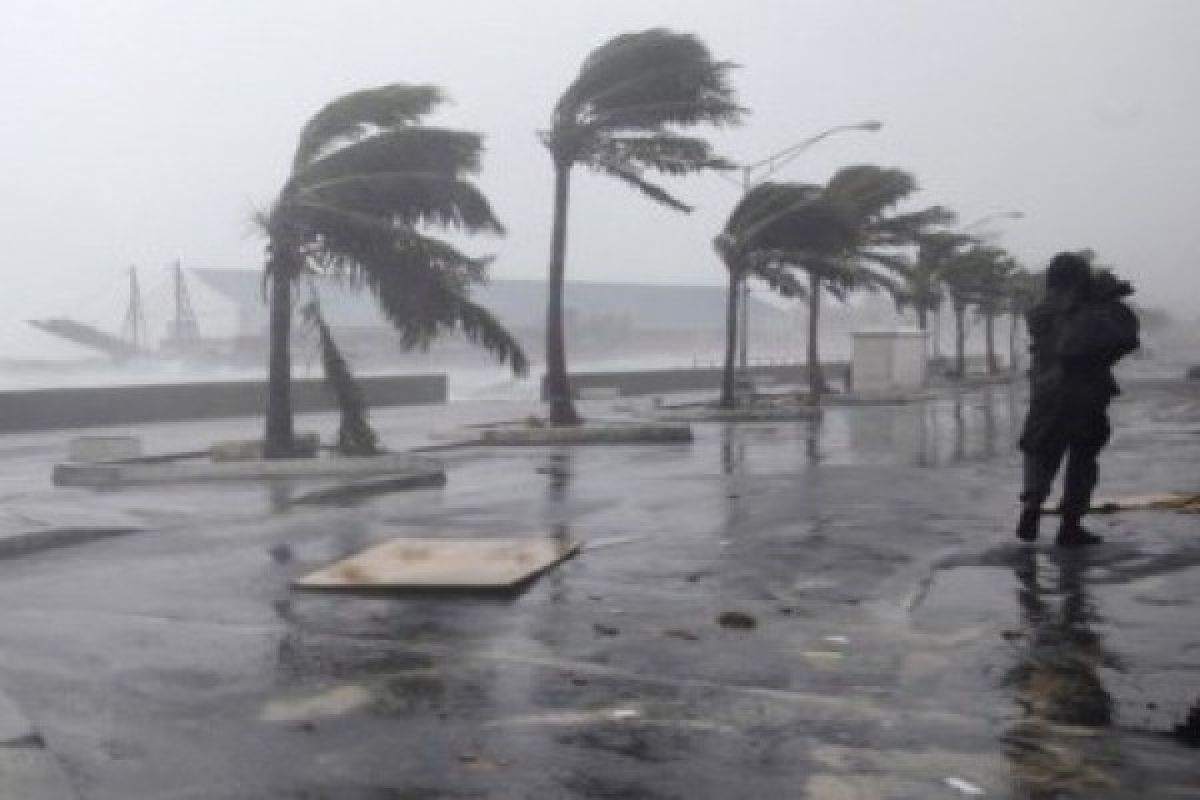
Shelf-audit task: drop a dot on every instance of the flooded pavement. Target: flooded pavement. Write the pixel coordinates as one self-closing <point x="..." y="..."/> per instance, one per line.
<point x="816" y="609"/>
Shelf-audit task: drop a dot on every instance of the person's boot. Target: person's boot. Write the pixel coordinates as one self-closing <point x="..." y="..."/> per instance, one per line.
<point x="1073" y="534"/>
<point x="1027" y="525"/>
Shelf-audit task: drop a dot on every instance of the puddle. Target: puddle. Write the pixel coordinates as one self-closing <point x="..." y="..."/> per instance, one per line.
<point x="965" y="597"/>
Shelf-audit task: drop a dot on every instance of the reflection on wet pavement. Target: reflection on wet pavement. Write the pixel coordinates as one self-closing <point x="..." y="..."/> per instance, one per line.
<point x="1057" y="684"/>
<point x="895" y="643"/>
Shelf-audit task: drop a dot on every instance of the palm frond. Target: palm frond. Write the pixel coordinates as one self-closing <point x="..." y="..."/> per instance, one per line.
<point x="631" y="175"/>
<point x="647" y="80"/>
<point x="355" y="114"/>
<point x="421" y="304"/>
<point x="348" y="244"/>
<point x="666" y="153"/>
<point x="778" y="275"/>
<point x="902" y="230"/>
<point x="789" y="216"/>
<point x="482" y="328"/>
<point x="438" y="151"/>
<point x="410" y="198"/>
<point x="895" y="263"/>
<point x="867" y="191"/>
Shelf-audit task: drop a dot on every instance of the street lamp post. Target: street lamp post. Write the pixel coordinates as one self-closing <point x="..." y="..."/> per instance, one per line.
<point x="754" y="174"/>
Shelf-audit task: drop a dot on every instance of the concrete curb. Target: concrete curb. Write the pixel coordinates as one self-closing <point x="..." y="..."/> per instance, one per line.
<point x="112" y="474"/>
<point x="29" y="542"/>
<point x="631" y="433"/>
<point x="28" y="769"/>
<point x="740" y="415"/>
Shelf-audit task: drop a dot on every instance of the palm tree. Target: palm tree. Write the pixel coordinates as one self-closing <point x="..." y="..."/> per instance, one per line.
<point x="923" y="289"/>
<point x="744" y="248"/>
<point x="976" y="277"/>
<point x="991" y="294"/>
<point x="845" y="236"/>
<point x="367" y="182"/>
<point x="1024" y="287"/>
<point x="619" y="117"/>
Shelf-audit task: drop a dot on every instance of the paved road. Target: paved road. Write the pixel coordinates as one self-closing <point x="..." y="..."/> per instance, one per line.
<point x="900" y="639"/>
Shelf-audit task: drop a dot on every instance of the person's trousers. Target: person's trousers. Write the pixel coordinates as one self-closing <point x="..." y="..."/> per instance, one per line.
<point x="1042" y="465"/>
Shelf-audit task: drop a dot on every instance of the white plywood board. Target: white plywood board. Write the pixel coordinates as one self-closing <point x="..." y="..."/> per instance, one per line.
<point x="415" y="563"/>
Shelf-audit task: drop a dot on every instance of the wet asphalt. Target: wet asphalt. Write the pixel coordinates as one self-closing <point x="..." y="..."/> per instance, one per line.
<point x="814" y="609"/>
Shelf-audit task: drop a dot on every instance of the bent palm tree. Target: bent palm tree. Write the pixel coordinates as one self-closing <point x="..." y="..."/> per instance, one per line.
<point x="744" y="248"/>
<point x="923" y="289"/>
<point x="975" y="277"/>
<point x="367" y="181"/>
<point x="619" y="117"/>
<point x="1024" y="288"/>
<point x="845" y="236"/>
<point x="991" y="295"/>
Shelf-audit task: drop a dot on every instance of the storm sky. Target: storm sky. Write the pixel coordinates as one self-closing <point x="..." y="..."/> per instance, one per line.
<point x="141" y="131"/>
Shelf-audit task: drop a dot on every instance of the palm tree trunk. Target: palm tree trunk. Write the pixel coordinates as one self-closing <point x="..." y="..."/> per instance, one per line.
<point x="1012" y="341"/>
<point x="989" y="334"/>
<point x="816" y="383"/>
<point x="279" y="442"/>
<point x="558" y="386"/>
<point x="960" y="340"/>
<point x="728" y="388"/>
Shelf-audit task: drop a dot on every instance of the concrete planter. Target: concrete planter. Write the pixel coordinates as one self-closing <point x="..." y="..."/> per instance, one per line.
<point x="187" y="470"/>
<point x="652" y="433"/>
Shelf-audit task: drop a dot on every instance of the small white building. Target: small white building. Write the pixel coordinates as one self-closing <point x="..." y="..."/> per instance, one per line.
<point x="889" y="360"/>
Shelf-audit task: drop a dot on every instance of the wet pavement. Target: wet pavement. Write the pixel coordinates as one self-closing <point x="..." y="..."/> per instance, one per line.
<point x="890" y="638"/>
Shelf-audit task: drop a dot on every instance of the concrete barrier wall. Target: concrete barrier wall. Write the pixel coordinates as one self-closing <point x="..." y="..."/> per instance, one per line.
<point x="46" y="409"/>
<point x="654" y="381"/>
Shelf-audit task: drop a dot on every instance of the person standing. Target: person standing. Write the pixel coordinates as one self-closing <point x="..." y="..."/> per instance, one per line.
<point x="1078" y="332"/>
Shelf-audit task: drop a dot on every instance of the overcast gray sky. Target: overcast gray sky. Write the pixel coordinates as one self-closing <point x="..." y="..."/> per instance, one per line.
<point x="140" y="131"/>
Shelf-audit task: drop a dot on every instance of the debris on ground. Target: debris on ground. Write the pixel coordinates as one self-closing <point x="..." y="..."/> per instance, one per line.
<point x="739" y="620"/>
<point x="1183" y="502"/>
<point x="612" y="541"/>
<point x="963" y="786"/>
<point x="681" y="633"/>
<point x="481" y="762"/>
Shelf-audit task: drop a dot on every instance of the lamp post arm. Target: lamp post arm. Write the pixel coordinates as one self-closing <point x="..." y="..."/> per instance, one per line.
<point x="777" y="161"/>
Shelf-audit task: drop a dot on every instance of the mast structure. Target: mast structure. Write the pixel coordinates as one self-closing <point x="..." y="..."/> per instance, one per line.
<point x="133" y="329"/>
<point x="184" y="326"/>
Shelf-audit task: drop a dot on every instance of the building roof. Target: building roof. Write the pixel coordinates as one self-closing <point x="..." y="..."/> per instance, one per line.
<point x="517" y="303"/>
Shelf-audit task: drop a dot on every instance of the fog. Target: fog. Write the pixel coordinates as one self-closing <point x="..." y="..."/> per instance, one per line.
<point x="139" y="131"/>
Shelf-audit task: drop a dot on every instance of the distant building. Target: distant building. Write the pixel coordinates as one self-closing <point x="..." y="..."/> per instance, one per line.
<point x="685" y="320"/>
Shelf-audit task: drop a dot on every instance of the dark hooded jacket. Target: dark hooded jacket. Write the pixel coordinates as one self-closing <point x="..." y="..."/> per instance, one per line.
<point x="1074" y="344"/>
